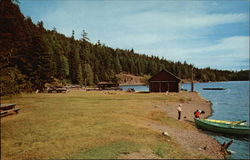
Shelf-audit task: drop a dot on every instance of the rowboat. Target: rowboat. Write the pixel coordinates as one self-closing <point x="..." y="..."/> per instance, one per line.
<point x="226" y="127"/>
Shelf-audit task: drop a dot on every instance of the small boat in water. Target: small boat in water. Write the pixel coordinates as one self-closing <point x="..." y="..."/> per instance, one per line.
<point x="214" y="88"/>
<point x="226" y="127"/>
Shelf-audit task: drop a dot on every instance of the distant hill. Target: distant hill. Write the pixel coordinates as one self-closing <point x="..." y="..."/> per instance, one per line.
<point x="129" y="79"/>
<point x="32" y="56"/>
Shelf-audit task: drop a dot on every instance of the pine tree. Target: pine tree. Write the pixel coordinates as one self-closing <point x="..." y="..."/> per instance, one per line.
<point x="41" y="69"/>
<point x="14" y="34"/>
<point x="38" y="55"/>
<point x="89" y="74"/>
<point x="118" y="67"/>
<point x="76" y="69"/>
<point x="84" y="36"/>
<point x="96" y="79"/>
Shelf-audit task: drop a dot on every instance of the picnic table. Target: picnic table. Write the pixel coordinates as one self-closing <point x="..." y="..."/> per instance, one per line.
<point x="57" y="90"/>
<point x="6" y="108"/>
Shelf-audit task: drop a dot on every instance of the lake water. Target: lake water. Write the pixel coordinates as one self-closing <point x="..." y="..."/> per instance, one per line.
<point x="136" y="88"/>
<point x="229" y="104"/>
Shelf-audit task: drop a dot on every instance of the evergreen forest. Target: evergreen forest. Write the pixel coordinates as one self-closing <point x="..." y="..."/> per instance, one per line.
<point x="32" y="56"/>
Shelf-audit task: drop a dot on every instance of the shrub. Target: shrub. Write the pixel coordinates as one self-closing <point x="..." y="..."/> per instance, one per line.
<point x="11" y="81"/>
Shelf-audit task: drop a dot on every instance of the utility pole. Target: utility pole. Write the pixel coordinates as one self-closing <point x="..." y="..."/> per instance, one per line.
<point x="1" y="96"/>
<point x="192" y="83"/>
<point x="85" y="80"/>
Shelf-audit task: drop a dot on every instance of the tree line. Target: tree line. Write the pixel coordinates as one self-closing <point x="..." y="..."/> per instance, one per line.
<point x="31" y="56"/>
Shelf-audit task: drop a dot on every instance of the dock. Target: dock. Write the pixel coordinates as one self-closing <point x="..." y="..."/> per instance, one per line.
<point x="214" y="88"/>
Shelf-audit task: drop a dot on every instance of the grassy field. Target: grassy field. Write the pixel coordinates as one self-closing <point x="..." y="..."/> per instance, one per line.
<point x="78" y="125"/>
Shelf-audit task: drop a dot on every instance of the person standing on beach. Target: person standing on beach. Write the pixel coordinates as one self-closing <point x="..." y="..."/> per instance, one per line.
<point x="179" y="111"/>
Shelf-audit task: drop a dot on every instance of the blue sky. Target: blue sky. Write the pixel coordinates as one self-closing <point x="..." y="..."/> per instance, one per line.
<point x="204" y="33"/>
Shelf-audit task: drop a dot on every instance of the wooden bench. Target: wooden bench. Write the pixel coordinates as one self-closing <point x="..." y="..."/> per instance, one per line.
<point x="57" y="90"/>
<point x="6" y="108"/>
<point x="3" y="112"/>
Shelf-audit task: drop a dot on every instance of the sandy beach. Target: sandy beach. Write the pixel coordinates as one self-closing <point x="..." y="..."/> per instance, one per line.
<point x="194" y="139"/>
<point x="191" y="139"/>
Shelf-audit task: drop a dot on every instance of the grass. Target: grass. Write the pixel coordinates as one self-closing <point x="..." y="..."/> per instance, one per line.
<point x="79" y="125"/>
<point x="183" y="100"/>
<point x="108" y="151"/>
<point x="169" y="121"/>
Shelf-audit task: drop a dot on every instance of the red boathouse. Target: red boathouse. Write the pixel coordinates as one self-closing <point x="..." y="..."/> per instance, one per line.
<point x="164" y="81"/>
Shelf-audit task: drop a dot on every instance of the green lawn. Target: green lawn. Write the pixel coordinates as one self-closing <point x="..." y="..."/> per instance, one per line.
<point x="82" y="124"/>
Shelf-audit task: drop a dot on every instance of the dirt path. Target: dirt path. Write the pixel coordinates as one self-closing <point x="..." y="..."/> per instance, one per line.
<point x="192" y="102"/>
<point x="191" y="139"/>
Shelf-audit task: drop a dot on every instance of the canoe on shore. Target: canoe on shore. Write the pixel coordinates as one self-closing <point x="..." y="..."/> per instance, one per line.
<point x="226" y="127"/>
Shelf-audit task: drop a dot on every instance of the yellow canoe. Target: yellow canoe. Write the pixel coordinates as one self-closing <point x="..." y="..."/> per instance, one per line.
<point x="226" y="122"/>
<point x="225" y="127"/>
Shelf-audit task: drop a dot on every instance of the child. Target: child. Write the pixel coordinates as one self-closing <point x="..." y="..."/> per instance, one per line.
<point x="198" y="113"/>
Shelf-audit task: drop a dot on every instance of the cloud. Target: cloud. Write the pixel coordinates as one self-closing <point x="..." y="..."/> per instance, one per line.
<point x="223" y="54"/>
<point x="184" y="21"/>
<point x="195" y="31"/>
<point x="135" y="18"/>
<point x="126" y="41"/>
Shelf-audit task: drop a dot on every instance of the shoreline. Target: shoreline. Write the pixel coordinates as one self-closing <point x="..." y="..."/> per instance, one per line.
<point x="188" y="138"/>
<point x="184" y="131"/>
<point x="210" y="106"/>
<point x="134" y="84"/>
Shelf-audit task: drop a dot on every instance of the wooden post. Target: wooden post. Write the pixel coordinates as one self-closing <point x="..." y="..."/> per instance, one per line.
<point x="85" y="83"/>
<point x="160" y="86"/>
<point x="192" y="83"/>
<point x="0" y="96"/>
<point x="85" y="80"/>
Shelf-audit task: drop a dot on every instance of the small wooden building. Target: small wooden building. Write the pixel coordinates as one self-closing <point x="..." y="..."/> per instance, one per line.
<point x="164" y="81"/>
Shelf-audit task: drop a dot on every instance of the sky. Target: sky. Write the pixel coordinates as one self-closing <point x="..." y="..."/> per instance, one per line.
<point x="205" y="33"/>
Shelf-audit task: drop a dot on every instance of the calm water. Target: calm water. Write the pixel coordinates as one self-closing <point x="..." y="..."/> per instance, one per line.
<point x="136" y="88"/>
<point x="230" y="104"/>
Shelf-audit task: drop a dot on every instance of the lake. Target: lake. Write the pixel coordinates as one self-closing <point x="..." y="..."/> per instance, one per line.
<point x="229" y="104"/>
<point x="136" y="87"/>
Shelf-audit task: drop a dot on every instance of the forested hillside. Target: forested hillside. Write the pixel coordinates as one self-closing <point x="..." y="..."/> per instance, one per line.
<point x="32" y="56"/>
